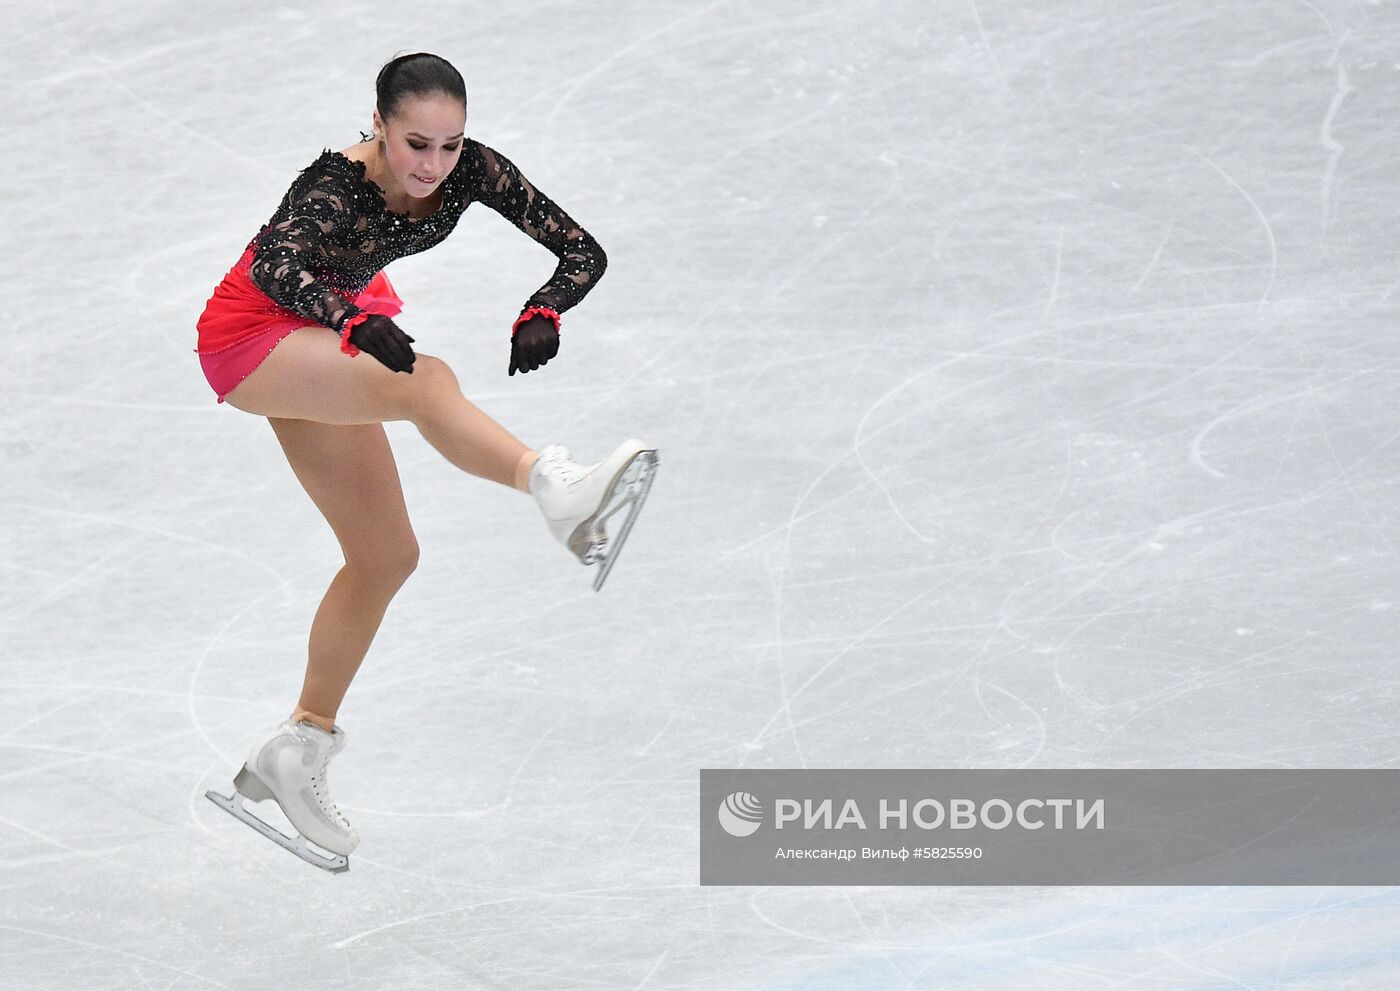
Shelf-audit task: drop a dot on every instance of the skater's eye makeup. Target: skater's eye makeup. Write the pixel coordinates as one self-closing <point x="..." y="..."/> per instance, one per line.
<point x="423" y="141"/>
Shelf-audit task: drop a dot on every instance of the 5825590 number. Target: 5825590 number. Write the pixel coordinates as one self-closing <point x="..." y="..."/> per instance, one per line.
<point x="947" y="853"/>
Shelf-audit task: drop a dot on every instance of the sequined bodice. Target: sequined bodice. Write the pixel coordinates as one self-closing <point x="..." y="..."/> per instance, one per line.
<point x="333" y="231"/>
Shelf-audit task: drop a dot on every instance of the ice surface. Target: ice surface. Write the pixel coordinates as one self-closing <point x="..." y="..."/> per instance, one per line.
<point x="1024" y="376"/>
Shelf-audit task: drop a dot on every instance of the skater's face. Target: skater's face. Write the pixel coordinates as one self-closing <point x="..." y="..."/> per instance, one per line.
<point x="423" y="141"/>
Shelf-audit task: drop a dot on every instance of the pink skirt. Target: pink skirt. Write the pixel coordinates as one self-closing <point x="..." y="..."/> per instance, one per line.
<point x="241" y="325"/>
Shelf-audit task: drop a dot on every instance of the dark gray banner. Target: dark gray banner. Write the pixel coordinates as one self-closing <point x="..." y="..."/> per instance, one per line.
<point x="1060" y="827"/>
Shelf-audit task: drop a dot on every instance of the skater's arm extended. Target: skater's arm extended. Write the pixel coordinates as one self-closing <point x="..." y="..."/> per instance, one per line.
<point x="581" y="259"/>
<point x="289" y="253"/>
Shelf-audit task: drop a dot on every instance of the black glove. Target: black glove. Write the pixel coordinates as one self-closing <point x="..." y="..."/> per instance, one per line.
<point x="381" y="337"/>
<point x="534" y="343"/>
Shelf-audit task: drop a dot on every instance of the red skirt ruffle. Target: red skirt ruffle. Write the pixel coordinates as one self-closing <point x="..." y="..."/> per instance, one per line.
<point x="241" y="324"/>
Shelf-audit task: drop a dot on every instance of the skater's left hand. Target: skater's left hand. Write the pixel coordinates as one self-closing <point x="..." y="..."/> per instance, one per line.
<point x="534" y="343"/>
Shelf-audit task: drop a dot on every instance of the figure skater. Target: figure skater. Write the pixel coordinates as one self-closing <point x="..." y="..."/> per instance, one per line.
<point x="316" y="266"/>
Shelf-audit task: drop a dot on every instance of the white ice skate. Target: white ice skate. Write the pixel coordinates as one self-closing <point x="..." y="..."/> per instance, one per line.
<point x="577" y="500"/>
<point x="288" y="765"/>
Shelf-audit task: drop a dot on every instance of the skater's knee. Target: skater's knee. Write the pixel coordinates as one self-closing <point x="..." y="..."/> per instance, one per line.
<point x="407" y="561"/>
<point x="384" y="562"/>
<point x="433" y="379"/>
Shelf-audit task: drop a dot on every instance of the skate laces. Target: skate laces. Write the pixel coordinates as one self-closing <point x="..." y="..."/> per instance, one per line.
<point x="318" y="782"/>
<point x="320" y="787"/>
<point x="558" y="464"/>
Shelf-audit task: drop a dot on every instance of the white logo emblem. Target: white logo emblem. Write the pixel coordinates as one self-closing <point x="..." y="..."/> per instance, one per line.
<point x="740" y="814"/>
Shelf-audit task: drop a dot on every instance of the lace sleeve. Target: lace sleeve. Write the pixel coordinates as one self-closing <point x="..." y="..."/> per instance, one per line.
<point x="581" y="259"/>
<point x="290" y="252"/>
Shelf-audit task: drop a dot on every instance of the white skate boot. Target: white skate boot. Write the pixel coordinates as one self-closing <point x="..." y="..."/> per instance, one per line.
<point x="288" y="765"/>
<point x="577" y="500"/>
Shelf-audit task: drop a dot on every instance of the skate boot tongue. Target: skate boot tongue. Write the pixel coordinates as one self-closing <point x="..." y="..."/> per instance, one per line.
<point x="338" y="737"/>
<point x="547" y="467"/>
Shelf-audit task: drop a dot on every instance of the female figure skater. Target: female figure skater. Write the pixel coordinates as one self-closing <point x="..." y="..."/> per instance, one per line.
<point x="282" y="337"/>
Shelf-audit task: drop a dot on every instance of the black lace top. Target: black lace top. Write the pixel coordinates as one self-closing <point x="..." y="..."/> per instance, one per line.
<point x="333" y="231"/>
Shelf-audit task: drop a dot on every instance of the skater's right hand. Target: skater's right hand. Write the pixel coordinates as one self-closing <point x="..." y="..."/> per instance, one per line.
<point x="381" y="337"/>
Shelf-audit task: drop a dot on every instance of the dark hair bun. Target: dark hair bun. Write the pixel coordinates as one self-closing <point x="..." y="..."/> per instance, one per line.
<point x="418" y="74"/>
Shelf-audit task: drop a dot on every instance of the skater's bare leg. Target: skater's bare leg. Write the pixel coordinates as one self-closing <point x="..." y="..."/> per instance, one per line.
<point x="345" y="625"/>
<point x="350" y="474"/>
<point x="522" y="470"/>
<point x="306" y="377"/>
<point x="327" y="410"/>
<point x="470" y="439"/>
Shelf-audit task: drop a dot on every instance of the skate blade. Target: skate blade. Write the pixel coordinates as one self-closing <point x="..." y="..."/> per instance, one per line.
<point x="633" y="482"/>
<point x="588" y="539"/>
<point x="233" y="805"/>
